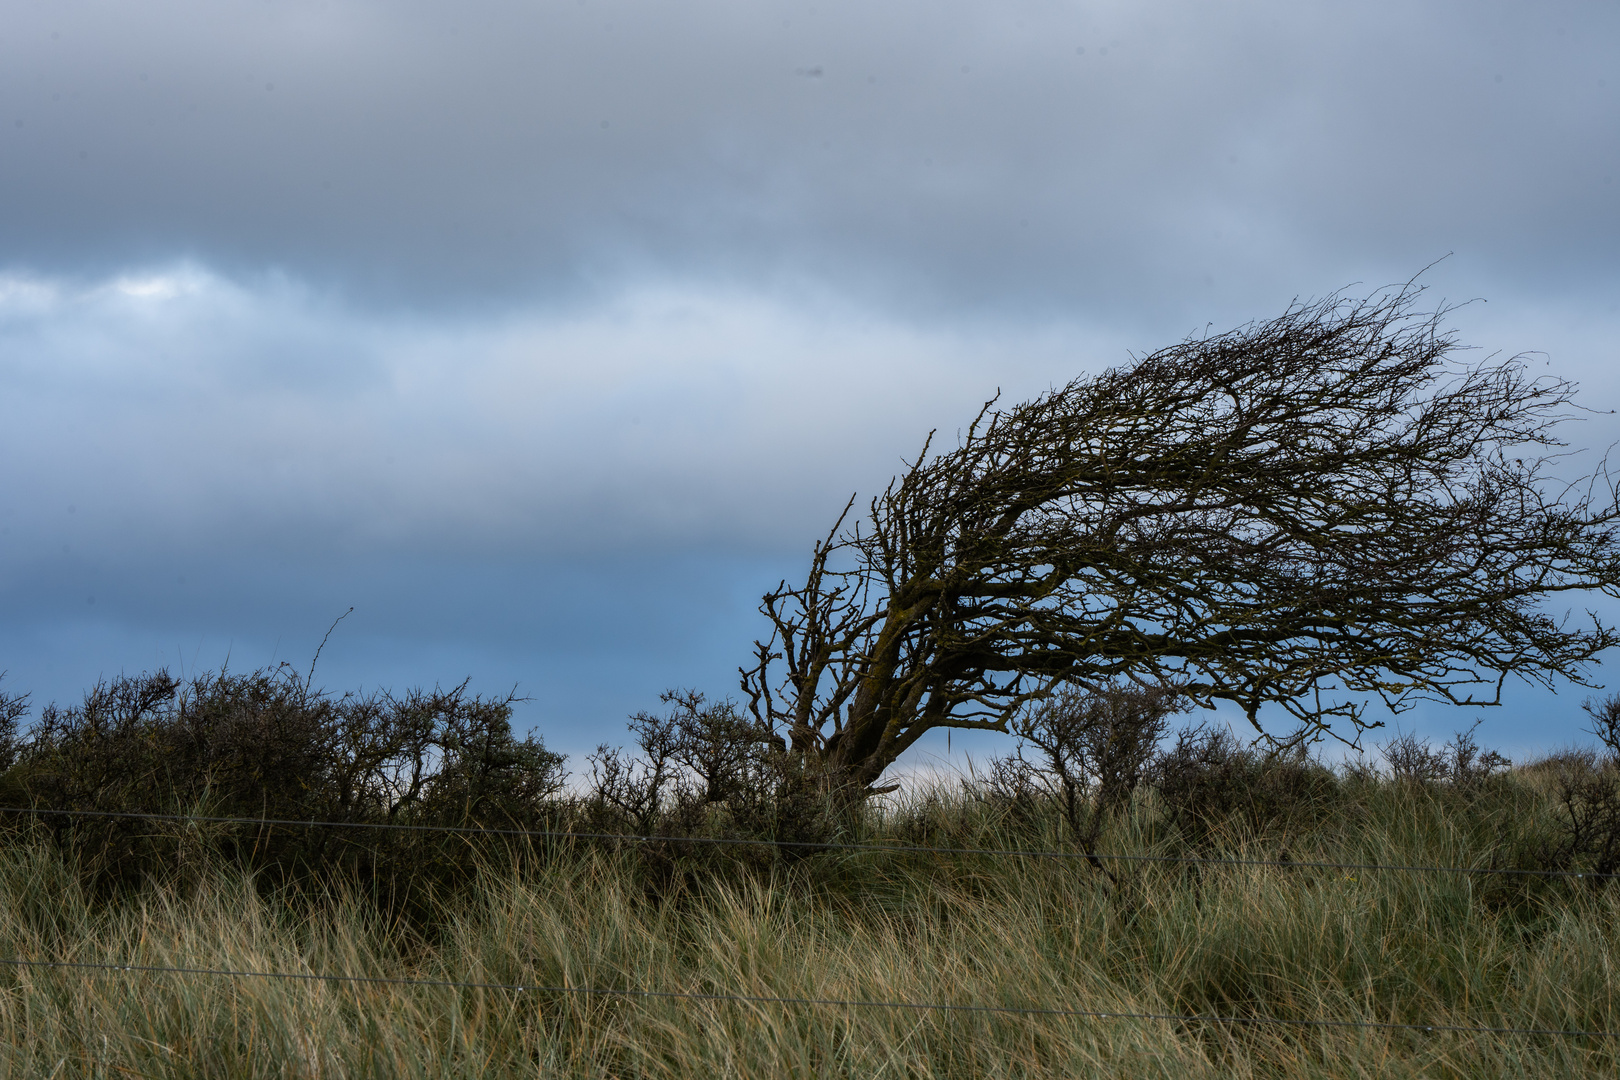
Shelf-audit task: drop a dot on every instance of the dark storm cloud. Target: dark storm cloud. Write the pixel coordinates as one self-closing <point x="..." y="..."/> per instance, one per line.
<point x="1019" y="155"/>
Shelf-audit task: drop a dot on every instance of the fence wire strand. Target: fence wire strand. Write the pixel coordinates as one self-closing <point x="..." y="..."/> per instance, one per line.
<point x="816" y="845"/>
<point x="559" y="835"/>
<point x="770" y="999"/>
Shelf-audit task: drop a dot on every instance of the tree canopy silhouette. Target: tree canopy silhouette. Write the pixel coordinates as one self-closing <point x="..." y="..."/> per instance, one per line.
<point x="1304" y="512"/>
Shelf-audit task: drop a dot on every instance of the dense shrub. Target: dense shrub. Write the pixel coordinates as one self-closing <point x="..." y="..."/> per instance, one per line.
<point x="1086" y="754"/>
<point x="13" y="707"/>
<point x="1207" y="780"/>
<point x="1586" y="798"/>
<point x="705" y="769"/>
<point x="265" y="745"/>
<point x="1462" y="761"/>
<point x="1088" y="750"/>
<point x="319" y="773"/>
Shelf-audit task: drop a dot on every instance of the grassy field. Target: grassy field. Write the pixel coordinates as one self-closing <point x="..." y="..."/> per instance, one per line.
<point x="1218" y="940"/>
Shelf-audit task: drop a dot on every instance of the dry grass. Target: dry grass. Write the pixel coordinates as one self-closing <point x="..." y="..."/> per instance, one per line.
<point x="1289" y="943"/>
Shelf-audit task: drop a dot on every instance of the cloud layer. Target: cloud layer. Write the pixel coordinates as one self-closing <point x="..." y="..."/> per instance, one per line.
<point x="549" y="333"/>
<point x="1028" y="155"/>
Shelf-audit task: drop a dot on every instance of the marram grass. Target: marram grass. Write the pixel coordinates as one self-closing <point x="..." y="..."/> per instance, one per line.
<point x="1289" y="943"/>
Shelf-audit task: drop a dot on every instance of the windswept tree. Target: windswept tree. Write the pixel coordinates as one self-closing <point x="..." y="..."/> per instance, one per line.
<point x="1306" y="513"/>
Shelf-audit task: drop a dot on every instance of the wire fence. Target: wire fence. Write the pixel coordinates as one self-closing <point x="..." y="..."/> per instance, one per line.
<point x="850" y="1003"/>
<point x="816" y="845"/>
<point x="771" y="999"/>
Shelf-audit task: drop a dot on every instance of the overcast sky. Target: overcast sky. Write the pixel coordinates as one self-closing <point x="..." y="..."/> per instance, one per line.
<point x="548" y="335"/>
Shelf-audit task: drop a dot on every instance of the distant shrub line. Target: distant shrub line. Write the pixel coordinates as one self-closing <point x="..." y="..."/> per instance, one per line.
<point x="266" y="746"/>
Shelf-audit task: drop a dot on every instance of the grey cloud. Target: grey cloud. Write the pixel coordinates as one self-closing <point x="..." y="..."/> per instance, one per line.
<point x="948" y="154"/>
<point x="180" y="411"/>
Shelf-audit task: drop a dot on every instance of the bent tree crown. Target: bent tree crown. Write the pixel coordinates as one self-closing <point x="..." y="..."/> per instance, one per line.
<point x="1300" y="512"/>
